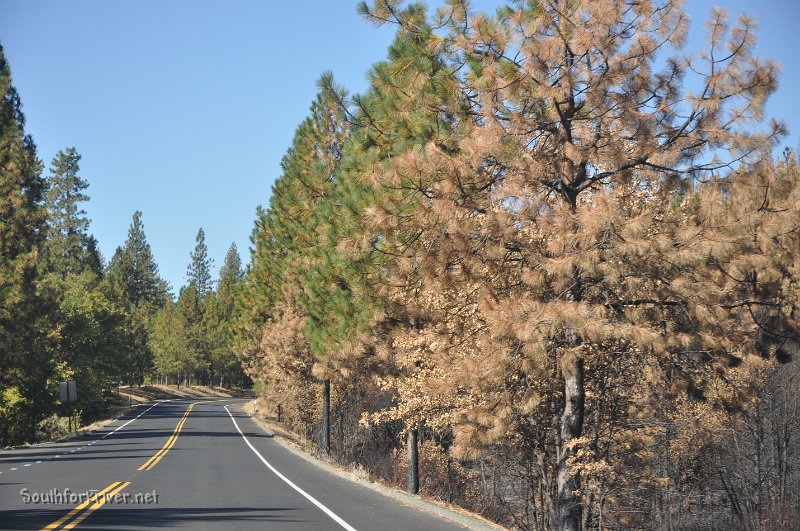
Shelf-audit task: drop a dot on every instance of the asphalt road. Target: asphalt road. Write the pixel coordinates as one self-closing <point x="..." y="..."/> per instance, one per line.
<point x="188" y="464"/>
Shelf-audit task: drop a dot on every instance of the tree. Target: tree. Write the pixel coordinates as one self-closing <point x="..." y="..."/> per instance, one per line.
<point x="411" y="102"/>
<point x="88" y="329"/>
<point x="572" y="234"/>
<point x="231" y="273"/>
<point x="286" y="235"/>
<point x="198" y="271"/>
<point x="92" y="337"/>
<point x="191" y="309"/>
<point x="134" y="270"/>
<point x="133" y="275"/>
<point x="168" y="342"/>
<point x="69" y="249"/>
<point x="221" y="313"/>
<point x="24" y="364"/>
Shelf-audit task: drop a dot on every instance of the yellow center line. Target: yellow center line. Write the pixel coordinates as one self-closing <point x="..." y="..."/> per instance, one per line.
<point x="169" y="441"/>
<point x="79" y="508"/>
<point x="99" y="499"/>
<point x="99" y="503"/>
<point x="153" y="461"/>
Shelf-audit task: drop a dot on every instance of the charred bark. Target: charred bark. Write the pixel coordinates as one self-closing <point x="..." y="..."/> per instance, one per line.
<point x="569" y="506"/>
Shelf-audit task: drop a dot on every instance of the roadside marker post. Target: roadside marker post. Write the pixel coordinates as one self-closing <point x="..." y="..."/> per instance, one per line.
<point x="68" y="394"/>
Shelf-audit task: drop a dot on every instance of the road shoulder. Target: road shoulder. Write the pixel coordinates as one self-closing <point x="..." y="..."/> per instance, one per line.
<point x="454" y="514"/>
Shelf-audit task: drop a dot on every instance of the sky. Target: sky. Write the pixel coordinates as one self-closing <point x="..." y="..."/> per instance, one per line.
<point x="182" y="109"/>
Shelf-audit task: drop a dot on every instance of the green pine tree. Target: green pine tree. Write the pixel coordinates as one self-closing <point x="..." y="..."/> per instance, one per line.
<point x="24" y="361"/>
<point x="168" y="343"/>
<point x="199" y="268"/>
<point x="134" y="278"/>
<point x="195" y="359"/>
<point x="221" y="313"/>
<point x="67" y="246"/>
<point x="135" y="272"/>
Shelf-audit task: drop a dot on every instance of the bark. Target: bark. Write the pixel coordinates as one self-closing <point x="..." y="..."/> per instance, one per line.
<point x="569" y="507"/>
<point x="326" y="416"/>
<point x="412" y="479"/>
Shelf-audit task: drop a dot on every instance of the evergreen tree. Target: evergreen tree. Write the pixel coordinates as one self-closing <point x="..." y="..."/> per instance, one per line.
<point x="24" y="360"/>
<point x="92" y="257"/>
<point x="89" y="333"/>
<point x="167" y="340"/>
<point x="133" y="275"/>
<point x="67" y="247"/>
<point x="410" y="104"/>
<point x="195" y="362"/>
<point x="231" y="273"/>
<point x="290" y="230"/>
<point x="221" y="314"/>
<point x="134" y="271"/>
<point x="199" y="269"/>
<point x="561" y="276"/>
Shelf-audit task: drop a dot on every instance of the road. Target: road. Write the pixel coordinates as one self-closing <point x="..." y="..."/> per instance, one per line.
<point x="188" y="464"/>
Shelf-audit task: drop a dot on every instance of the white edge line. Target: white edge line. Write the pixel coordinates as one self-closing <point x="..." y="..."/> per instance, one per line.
<point x="137" y="416"/>
<point x="308" y="496"/>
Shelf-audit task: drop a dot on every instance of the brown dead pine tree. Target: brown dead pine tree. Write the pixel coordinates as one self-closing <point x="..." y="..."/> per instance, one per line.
<point x="580" y="225"/>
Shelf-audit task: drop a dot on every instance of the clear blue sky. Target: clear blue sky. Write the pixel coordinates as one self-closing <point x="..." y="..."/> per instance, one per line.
<point x="183" y="108"/>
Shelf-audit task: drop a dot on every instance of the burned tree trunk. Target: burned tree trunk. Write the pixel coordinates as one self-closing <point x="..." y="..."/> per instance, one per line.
<point x="569" y="506"/>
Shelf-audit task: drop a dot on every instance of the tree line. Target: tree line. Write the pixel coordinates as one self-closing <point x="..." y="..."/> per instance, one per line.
<point x="545" y="267"/>
<point x="66" y="315"/>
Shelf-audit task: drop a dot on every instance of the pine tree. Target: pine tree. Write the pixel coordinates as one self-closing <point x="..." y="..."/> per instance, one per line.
<point x="409" y="104"/>
<point x="167" y="341"/>
<point x="196" y="309"/>
<point x="24" y="364"/>
<point x="564" y="234"/>
<point x="287" y="234"/>
<point x="134" y="278"/>
<point x="198" y="271"/>
<point x="191" y="310"/>
<point x="67" y="247"/>
<point x="90" y="333"/>
<point x="134" y="270"/>
<point x="231" y="273"/>
<point x="220" y="316"/>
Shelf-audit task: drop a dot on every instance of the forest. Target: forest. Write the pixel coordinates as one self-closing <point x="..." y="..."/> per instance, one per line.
<point x="545" y="268"/>
<point x="65" y="314"/>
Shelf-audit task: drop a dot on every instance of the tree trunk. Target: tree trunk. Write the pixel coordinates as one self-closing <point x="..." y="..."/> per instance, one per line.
<point x="412" y="479"/>
<point x="569" y="507"/>
<point x="326" y="416"/>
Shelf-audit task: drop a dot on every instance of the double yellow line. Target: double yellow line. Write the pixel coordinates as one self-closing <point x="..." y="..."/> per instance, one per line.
<point x="75" y="516"/>
<point x="91" y="504"/>
<point x="153" y="461"/>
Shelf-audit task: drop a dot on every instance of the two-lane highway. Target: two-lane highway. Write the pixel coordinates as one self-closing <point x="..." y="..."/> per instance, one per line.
<point x="187" y="464"/>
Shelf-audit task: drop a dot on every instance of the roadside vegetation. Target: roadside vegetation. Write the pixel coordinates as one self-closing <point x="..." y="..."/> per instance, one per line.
<point x="546" y="267"/>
